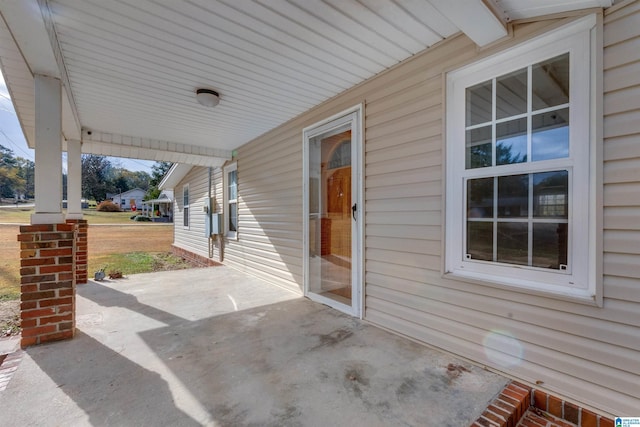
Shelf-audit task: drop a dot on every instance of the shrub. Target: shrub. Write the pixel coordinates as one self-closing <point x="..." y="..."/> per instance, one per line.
<point x="108" y="206"/>
<point x="142" y="218"/>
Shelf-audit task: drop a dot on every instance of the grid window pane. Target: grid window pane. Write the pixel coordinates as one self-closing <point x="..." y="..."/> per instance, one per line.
<point x="551" y="194"/>
<point x="511" y="94"/>
<point x="550" y="245"/>
<point x="480" y="240"/>
<point x="233" y="187"/>
<point x="550" y="135"/>
<point x="550" y="82"/>
<point x="513" y="243"/>
<point x="513" y="196"/>
<point x="478" y="154"/>
<point x="521" y="218"/>
<point x="511" y="142"/>
<point x="480" y="198"/>
<point x="233" y="217"/>
<point x="478" y="106"/>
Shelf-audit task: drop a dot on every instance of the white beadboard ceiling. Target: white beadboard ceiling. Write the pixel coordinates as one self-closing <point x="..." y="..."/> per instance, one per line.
<point x="130" y="67"/>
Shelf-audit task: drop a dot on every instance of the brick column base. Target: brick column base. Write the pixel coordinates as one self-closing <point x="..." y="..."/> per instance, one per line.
<point x="82" y="254"/>
<point x="47" y="294"/>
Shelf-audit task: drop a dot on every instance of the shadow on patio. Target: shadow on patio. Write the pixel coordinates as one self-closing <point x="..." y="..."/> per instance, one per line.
<point x="215" y="347"/>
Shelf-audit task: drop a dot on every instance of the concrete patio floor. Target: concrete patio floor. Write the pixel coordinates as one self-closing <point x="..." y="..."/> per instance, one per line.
<point x="216" y="347"/>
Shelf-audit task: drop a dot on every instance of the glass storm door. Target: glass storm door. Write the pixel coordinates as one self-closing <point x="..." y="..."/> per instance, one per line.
<point x="332" y="214"/>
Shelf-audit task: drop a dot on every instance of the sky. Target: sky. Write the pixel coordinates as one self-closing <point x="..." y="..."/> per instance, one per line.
<point x="11" y="136"/>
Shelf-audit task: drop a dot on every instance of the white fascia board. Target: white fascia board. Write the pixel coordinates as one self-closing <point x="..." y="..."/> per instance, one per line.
<point x="173" y="177"/>
<point x="110" y="144"/>
<point x="474" y="19"/>
<point x="32" y="29"/>
<point x="535" y="8"/>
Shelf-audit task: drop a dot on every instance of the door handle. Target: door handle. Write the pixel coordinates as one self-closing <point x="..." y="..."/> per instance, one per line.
<point x="354" y="209"/>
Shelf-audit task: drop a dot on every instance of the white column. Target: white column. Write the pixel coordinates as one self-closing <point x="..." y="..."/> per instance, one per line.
<point x="74" y="179"/>
<point x="48" y="151"/>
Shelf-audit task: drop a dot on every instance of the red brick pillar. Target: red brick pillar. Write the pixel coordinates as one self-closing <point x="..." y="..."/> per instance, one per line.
<point x="48" y="294"/>
<point x="82" y="254"/>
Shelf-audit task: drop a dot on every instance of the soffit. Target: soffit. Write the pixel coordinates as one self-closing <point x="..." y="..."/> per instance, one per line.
<point x="131" y="67"/>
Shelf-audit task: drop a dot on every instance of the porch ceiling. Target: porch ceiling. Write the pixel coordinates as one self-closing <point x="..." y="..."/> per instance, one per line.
<point x="130" y="68"/>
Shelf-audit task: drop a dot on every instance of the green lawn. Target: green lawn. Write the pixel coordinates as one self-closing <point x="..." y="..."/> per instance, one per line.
<point x="136" y="262"/>
<point x="120" y="245"/>
<point x="23" y="215"/>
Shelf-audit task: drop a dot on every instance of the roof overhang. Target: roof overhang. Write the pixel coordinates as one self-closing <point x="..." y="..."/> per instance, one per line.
<point x="130" y="73"/>
<point x="174" y="175"/>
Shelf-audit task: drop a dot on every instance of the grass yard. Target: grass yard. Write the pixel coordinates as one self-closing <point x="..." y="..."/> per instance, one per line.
<point x="115" y="243"/>
<point x="22" y="215"/>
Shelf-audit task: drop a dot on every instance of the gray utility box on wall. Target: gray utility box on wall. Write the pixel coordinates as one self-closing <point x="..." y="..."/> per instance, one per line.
<point x="216" y="223"/>
<point x="212" y="224"/>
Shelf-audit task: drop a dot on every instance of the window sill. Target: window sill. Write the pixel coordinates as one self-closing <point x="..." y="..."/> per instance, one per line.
<point x="563" y="293"/>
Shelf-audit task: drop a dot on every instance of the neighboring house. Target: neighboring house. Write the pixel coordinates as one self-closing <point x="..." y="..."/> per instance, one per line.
<point x="84" y="203"/>
<point x="129" y="200"/>
<point x="160" y="209"/>
<point x="482" y="201"/>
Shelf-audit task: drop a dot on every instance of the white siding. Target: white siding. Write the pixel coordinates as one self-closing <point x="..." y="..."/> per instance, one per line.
<point x="587" y="354"/>
<point x="193" y="239"/>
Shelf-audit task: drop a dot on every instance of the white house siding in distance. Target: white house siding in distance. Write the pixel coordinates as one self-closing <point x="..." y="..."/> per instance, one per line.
<point x="193" y="238"/>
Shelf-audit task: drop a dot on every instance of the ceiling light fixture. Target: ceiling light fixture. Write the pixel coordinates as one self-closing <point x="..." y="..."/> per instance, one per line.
<point x="208" y="97"/>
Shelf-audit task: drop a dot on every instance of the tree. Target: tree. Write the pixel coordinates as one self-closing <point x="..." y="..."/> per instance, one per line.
<point x="96" y="171"/>
<point x="27" y="171"/>
<point x="12" y="183"/>
<point x="158" y="171"/>
<point x="123" y="180"/>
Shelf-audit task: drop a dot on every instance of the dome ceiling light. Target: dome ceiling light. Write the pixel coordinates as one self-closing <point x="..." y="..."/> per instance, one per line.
<point x="208" y="97"/>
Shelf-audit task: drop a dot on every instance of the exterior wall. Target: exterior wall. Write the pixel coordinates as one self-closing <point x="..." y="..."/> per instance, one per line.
<point x="124" y="200"/>
<point x="580" y="352"/>
<point x="193" y="239"/>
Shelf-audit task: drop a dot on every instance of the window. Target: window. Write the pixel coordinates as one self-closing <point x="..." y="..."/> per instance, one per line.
<point x="519" y="137"/>
<point x="341" y="156"/>
<point x="231" y="202"/>
<point x="185" y="206"/>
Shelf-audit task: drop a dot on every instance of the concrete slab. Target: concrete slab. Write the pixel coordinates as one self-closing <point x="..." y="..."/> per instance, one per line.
<point x="215" y="347"/>
<point x="9" y="344"/>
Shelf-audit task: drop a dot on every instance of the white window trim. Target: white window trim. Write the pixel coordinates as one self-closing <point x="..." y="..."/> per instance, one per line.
<point x="582" y="39"/>
<point x="186" y="209"/>
<point x="228" y="233"/>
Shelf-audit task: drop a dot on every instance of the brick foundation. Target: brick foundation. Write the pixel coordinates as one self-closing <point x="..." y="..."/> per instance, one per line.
<point x="47" y="294"/>
<point x="82" y="250"/>
<point x="507" y="409"/>
<point x="194" y="258"/>
<point x="521" y="406"/>
<point x="568" y="411"/>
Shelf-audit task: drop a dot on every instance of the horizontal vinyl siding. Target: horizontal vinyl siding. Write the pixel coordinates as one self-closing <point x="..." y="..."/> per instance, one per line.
<point x="622" y="165"/>
<point x="568" y="348"/>
<point x="269" y="241"/>
<point x="587" y="354"/>
<point x="193" y="239"/>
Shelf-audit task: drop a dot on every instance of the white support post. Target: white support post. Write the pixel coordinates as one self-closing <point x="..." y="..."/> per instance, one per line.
<point x="74" y="179"/>
<point x="48" y="151"/>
